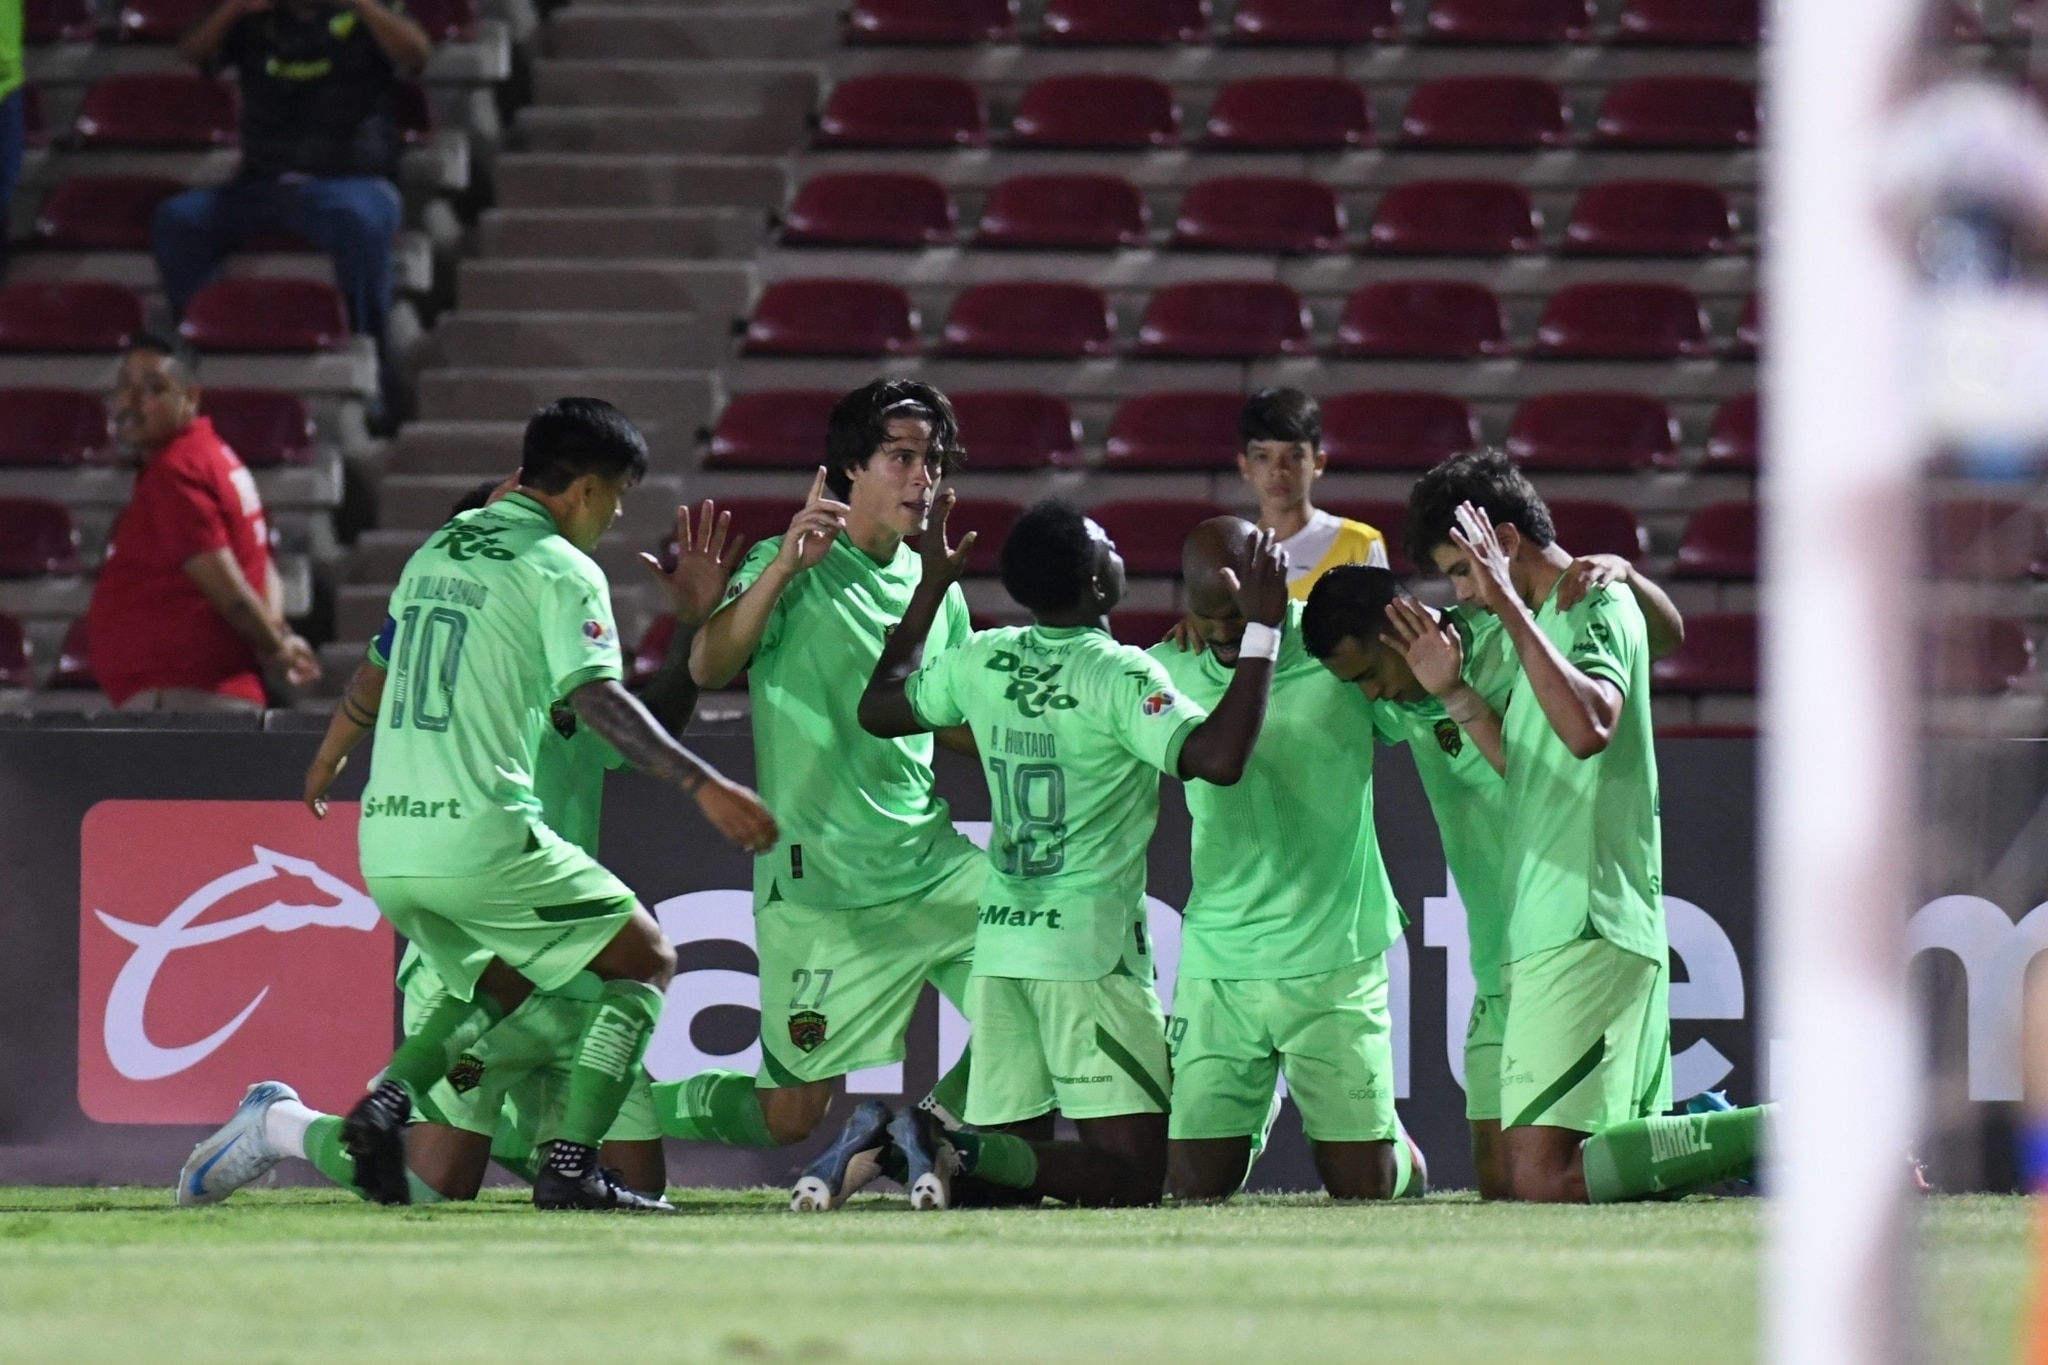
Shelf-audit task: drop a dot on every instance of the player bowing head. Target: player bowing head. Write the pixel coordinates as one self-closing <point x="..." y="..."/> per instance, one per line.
<point x="1521" y="523"/>
<point x="579" y="457"/>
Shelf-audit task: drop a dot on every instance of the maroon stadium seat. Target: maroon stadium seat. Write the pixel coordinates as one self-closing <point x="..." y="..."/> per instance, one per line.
<point x="1592" y="526"/>
<point x="832" y="317"/>
<point x="1623" y="321"/>
<point x="57" y="21"/>
<point x="1426" y="319"/>
<point x="1511" y="21"/>
<point x="1225" y="318"/>
<point x="37" y="537"/>
<point x="158" y="110"/>
<point x="990" y="519"/>
<point x="1978" y="656"/>
<point x="1040" y="319"/>
<point x="1267" y="213"/>
<point x="1149" y="531"/>
<point x="1142" y="629"/>
<point x="74" y="661"/>
<point x="1732" y="23"/>
<point x="1732" y="439"/>
<point x="1986" y="538"/>
<point x="1456" y="218"/>
<point x="265" y="315"/>
<point x="1719" y="655"/>
<point x="1089" y="112"/>
<point x="870" y="208"/>
<point x="1009" y="430"/>
<point x="1396" y="429"/>
<point x="1065" y="212"/>
<point x="1678" y="111"/>
<point x="932" y="21"/>
<point x="1290" y="113"/>
<point x="1652" y="218"/>
<point x="76" y="315"/>
<point x="1196" y="430"/>
<point x="1316" y="23"/>
<point x="15" y="668"/>
<point x="652" y="651"/>
<point x="1749" y="330"/>
<point x="1507" y="112"/>
<point x="51" y="427"/>
<point x="158" y="21"/>
<point x="264" y="426"/>
<point x="102" y="212"/>
<point x="1150" y="23"/>
<point x="446" y="21"/>
<point x="1389" y="518"/>
<point x="35" y="123"/>
<point x="904" y="109"/>
<point x="1593" y="431"/>
<point x="776" y="429"/>
<point x="1719" y="542"/>
<point x="756" y="519"/>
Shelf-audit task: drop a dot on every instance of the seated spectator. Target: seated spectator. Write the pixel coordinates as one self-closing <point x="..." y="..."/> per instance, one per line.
<point x="188" y="609"/>
<point x="320" y="144"/>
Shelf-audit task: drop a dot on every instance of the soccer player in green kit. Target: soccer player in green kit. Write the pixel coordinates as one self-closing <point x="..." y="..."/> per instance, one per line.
<point x="870" y="892"/>
<point x="1585" y="1054"/>
<point x="1073" y="731"/>
<point x="1283" y="946"/>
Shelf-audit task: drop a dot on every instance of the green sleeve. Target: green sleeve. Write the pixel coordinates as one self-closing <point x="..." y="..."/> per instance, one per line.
<point x="579" y="639"/>
<point x="934" y="690"/>
<point x="1149" y="716"/>
<point x="1608" y="636"/>
<point x="958" y="625"/>
<point x="750" y="570"/>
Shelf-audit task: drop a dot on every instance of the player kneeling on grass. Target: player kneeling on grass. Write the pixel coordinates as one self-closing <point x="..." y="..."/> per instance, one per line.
<point x="1073" y="730"/>
<point x="1283" y="949"/>
<point x="1586" y="1051"/>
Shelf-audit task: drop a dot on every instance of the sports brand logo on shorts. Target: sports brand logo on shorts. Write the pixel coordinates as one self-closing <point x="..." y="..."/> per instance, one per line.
<point x="1158" y="703"/>
<point x="1449" y="737"/>
<point x="807" y="1030"/>
<point x="221" y="942"/>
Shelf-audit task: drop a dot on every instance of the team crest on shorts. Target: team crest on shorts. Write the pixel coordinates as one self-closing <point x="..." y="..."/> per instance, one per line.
<point x="1449" y="737"/>
<point x="1157" y="702"/>
<point x="807" y="1030"/>
<point x="467" y="1073"/>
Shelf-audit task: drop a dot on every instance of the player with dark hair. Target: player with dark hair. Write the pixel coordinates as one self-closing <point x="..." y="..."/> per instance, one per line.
<point x="1280" y="454"/>
<point x="871" y="892"/>
<point x="1073" y="730"/>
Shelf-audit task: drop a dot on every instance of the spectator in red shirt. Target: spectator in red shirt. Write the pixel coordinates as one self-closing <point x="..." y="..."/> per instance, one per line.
<point x="188" y="609"/>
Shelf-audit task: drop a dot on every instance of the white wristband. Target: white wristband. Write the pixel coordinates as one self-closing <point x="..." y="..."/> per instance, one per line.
<point x="1259" y="642"/>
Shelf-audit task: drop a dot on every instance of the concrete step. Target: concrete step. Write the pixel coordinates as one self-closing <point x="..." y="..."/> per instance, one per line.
<point x="640" y="32"/>
<point x="722" y="130"/>
<point x="772" y="86"/>
<point x="420" y="502"/>
<point x="675" y="400"/>
<point x="710" y="289"/>
<point x="545" y="180"/>
<point x="619" y="234"/>
<point x="565" y="340"/>
<point x="491" y="449"/>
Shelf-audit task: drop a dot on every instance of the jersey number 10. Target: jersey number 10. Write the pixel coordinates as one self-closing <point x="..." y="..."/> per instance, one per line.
<point x="429" y="662"/>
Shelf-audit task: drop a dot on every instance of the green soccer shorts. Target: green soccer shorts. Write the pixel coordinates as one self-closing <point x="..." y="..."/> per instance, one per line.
<point x="547" y="913"/>
<point x="1090" y="1049"/>
<point x="1330" y="1034"/>
<point x="838" y="986"/>
<point x="1588" y="1038"/>
<point x="1483" y="1033"/>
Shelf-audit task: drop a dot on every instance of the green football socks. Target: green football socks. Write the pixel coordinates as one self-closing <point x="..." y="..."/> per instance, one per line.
<point x="999" y="1158"/>
<point x="448" y="1031"/>
<point x="611" y="1047"/>
<point x="331" y="1159"/>
<point x="1648" y="1158"/>
<point x="950" y="1094"/>
<point x="713" y="1106"/>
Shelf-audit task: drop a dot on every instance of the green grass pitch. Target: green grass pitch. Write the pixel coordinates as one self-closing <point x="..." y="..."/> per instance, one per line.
<point x="313" y="1275"/>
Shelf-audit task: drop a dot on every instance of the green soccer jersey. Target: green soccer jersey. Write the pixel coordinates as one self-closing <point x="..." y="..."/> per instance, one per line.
<point x="1584" y="850"/>
<point x="497" y="618"/>
<point x="1288" y="879"/>
<point x="1074" y="731"/>
<point x="861" y="824"/>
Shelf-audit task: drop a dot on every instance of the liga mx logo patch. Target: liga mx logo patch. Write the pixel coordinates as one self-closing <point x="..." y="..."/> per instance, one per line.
<point x="597" y="632"/>
<point x="1158" y="702"/>
<point x="807" y="1030"/>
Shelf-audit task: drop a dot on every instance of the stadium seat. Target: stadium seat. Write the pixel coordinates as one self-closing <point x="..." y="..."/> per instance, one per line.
<point x="1729" y="23"/>
<point x="1142" y="629"/>
<point x="158" y="21"/>
<point x="43" y="427"/>
<point x="1389" y="518"/>
<point x="1265" y="213"/>
<point x="1592" y="526"/>
<point x="1719" y="655"/>
<point x="102" y="212"/>
<point x="1456" y="218"/>
<point x="1622" y="321"/>
<point x="74" y="661"/>
<point x="932" y="22"/>
<point x="652" y="651"/>
<point x="265" y="315"/>
<point x="446" y="21"/>
<point x="1986" y="538"/>
<point x="158" y="110"/>
<point x="1096" y="112"/>
<point x="1978" y="656"/>
<point x="1065" y="212"/>
<point x="415" y="114"/>
<point x="1149" y="531"/>
<point x="775" y="429"/>
<point x="1130" y="23"/>
<point x="1195" y="430"/>
<point x="1749" y="330"/>
<point x="265" y="427"/>
<point x="15" y="667"/>
<point x="1719" y="542"/>
<point x="1423" y="319"/>
<point x="756" y="519"/>
<point x="76" y="315"/>
<point x="904" y="109"/>
<point x="990" y="519"/>
<point x="35" y="122"/>
<point x="1677" y="111"/>
<point x="832" y="317"/>
<point x="1504" y="112"/>
<point x="1037" y="319"/>
<point x="1615" y="432"/>
<point x="1732" y="438"/>
<point x="56" y="21"/>
<point x="1511" y="21"/>
<point x="1290" y="114"/>
<point x="1225" y="318"/>
<point x="1315" y="23"/>
<point x="1652" y="218"/>
<point x="37" y="537"/>
<point x="870" y="209"/>
<point x="1396" y="429"/>
<point x="1011" y="430"/>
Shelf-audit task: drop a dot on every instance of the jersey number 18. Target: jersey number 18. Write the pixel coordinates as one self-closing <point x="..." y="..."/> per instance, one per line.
<point x="1032" y="799"/>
